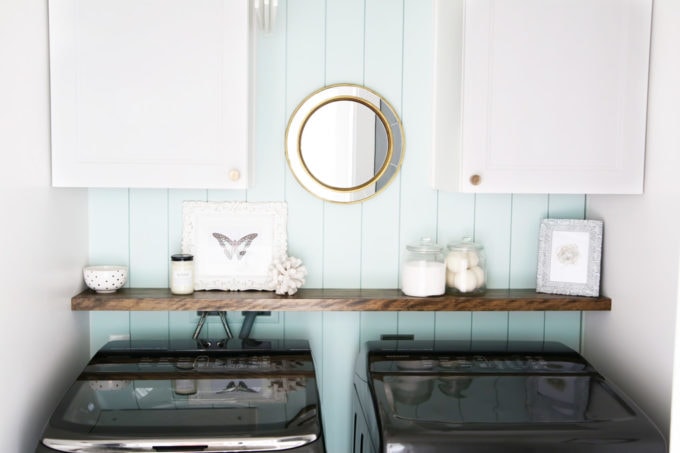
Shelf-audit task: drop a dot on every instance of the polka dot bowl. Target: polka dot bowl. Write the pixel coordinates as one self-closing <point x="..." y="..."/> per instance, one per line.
<point x="105" y="279"/>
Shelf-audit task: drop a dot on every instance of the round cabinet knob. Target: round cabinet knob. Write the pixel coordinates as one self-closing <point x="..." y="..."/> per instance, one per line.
<point x="475" y="180"/>
<point x="234" y="175"/>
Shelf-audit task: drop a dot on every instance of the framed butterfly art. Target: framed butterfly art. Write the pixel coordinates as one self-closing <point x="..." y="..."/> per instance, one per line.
<point x="234" y="243"/>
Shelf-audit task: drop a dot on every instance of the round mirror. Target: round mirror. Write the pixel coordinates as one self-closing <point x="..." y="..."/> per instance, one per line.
<point x="344" y="143"/>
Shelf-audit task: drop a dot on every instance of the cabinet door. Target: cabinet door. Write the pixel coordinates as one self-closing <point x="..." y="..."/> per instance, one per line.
<point x="554" y="96"/>
<point x="151" y="93"/>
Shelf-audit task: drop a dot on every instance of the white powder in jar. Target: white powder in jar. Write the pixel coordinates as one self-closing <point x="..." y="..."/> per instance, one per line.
<point x="423" y="278"/>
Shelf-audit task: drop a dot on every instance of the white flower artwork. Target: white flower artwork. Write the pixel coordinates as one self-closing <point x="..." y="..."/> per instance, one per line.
<point x="569" y="257"/>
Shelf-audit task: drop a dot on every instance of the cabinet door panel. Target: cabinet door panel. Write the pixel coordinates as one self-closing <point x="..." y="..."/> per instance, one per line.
<point x="150" y="94"/>
<point x="554" y="96"/>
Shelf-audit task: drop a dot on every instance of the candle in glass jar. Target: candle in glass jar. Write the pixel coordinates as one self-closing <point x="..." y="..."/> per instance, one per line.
<point x="182" y="274"/>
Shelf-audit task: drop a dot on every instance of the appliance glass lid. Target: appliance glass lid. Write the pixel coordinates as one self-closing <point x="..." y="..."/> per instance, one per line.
<point x="457" y="399"/>
<point x="478" y="363"/>
<point x="189" y="405"/>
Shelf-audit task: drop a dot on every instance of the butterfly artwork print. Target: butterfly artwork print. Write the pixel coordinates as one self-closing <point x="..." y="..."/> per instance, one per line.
<point x="234" y="248"/>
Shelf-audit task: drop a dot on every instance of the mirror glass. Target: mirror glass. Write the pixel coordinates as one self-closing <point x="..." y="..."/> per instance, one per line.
<point x="344" y="143"/>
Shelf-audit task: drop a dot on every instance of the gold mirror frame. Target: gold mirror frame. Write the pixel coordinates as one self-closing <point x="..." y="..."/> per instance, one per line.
<point x="384" y="114"/>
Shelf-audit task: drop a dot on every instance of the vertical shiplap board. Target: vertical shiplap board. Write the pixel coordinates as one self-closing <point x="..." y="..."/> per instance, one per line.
<point x="455" y="216"/>
<point x="305" y="73"/>
<point x="526" y="325"/>
<point x="383" y="52"/>
<point x="418" y="200"/>
<point x="376" y="323"/>
<point x="268" y="159"/>
<point x="342" y="222"/>
<point x="527" y="213"/>
<point x="344" y="41"/>
<point x="342" y="234"/>
<point x="493" y="218"/>
<point x="566" y="206"/>
<point x="489" y="325"/>
<point x="456" y="325"/>
<point x="420" y="324"/>
<point x="341" y="331"/>
<point x="109" y="226"/>
<point x="149" y="325"/>
<point x="149" y="256"/>
<point x="380" y="246"/>
<point x="342" y="246"/>
<point x="455" y="220"/>
<point x="109" y="239"/>
<point x="565" y="327"/>
<point x="384" y="40"/>
<point x="176" y="199"/>
<point x="181" y="324"/>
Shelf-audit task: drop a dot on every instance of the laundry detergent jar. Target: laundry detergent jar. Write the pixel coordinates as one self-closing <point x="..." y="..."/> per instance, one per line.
<point x="423" y="272"/>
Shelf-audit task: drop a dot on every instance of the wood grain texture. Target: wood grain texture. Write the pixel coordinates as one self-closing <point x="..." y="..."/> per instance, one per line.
<point x="311" y="299"/>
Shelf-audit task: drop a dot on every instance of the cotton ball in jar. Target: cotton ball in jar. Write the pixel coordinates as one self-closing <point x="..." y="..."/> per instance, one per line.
<point x="457" y="261"/>
<point x="450" y="278"/>
<point x="479" y="276"/>
<point x="472" y="259"/>
<point x="465" y="281"/>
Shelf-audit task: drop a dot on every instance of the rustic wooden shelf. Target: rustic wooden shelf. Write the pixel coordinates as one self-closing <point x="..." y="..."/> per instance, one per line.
<point x="309" y="299"/>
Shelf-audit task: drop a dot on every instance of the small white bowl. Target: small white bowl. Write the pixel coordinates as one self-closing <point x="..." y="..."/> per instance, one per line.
<point x="105" y="279"/>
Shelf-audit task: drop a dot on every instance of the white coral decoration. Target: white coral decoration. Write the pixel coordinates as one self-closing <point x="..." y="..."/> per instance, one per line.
<point x="288" y="275"/>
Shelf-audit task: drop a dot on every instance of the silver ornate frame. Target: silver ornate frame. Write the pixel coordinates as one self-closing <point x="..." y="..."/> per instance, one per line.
<point x="545" y="281"/>
<point x="248" y="269"/>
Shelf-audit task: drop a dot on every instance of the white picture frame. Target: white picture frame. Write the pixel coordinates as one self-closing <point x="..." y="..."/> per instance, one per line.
<point x="569" y="257"/>
<point x="234" y="243"/>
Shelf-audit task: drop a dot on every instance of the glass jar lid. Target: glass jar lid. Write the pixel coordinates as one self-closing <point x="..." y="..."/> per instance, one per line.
<point x="182" y="257"/>
<point x="425" y="245"/>
<point x="465" y="244"/>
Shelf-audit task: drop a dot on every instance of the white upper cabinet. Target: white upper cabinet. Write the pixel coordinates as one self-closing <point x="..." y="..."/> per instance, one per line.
<point x="152" y="93"/>
<point x="541" y="96"/>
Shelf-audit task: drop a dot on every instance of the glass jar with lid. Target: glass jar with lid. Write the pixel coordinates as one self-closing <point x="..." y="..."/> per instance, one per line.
<point x="423" y="272"/>
<point x="465" y="267"/>
<point x="182" y="273"/>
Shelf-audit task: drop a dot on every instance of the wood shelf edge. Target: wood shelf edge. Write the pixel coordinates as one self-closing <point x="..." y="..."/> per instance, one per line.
<point x="311" y="299"/>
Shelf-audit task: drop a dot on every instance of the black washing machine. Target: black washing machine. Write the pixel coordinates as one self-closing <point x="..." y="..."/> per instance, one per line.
<point x="241" y="395"/>
<point x="455" y="397"/>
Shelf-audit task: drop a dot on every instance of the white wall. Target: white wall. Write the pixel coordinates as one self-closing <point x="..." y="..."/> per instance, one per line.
<point x="634" y="343"/>
<point x="43" y="238"/>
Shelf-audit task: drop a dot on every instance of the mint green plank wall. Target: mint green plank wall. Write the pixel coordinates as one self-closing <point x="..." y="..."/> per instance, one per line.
<point x="387" y="46"/>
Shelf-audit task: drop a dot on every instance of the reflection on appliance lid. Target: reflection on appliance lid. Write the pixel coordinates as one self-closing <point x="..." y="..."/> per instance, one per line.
<point x="154" y="407"/>
<point x="508" y="399"/>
